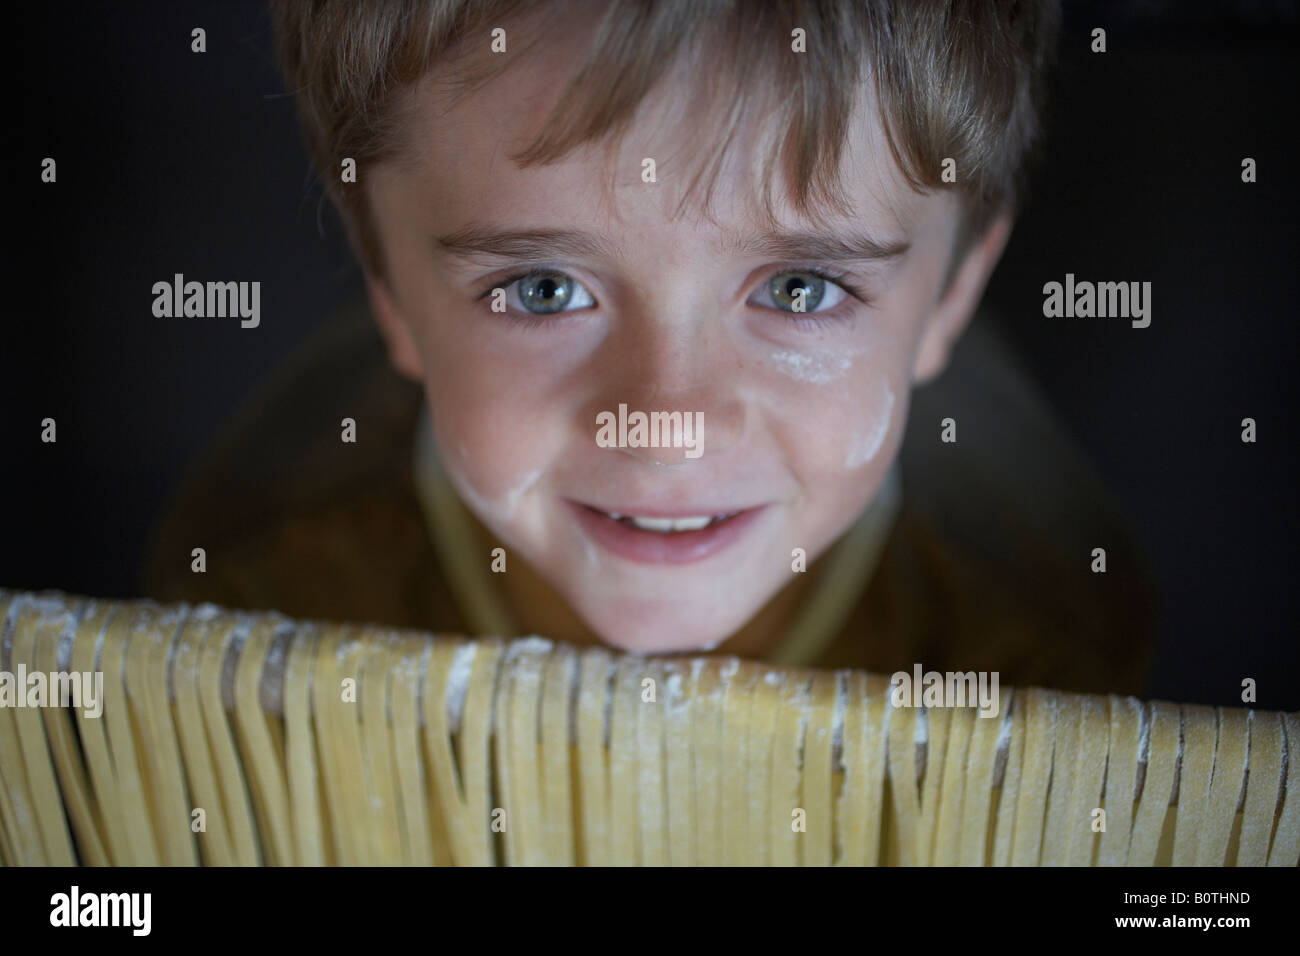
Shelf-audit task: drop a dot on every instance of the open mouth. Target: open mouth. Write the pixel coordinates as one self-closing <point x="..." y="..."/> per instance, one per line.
<point x="659" y="539"/>
<point x="671" y="525"/>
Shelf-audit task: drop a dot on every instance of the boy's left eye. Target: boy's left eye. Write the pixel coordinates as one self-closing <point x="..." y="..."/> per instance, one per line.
<point x="546" y="293"/>
<point x="801" y="290"/>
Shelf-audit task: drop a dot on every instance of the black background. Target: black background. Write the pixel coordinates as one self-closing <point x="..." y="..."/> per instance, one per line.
<point x="232" y="906"/>
<point x="171" y="162"/>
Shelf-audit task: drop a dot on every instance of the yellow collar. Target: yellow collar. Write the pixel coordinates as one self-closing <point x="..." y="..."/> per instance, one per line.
<point x="850" y="561"/>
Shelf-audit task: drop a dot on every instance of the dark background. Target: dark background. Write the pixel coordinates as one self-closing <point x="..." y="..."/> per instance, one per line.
<point x="171" y="162"/>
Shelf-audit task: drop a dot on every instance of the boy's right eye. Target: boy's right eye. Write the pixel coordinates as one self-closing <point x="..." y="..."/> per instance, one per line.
<point x="544" y="293"/>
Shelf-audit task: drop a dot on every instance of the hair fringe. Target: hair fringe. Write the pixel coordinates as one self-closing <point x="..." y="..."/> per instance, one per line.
<point x="962" y="79"/>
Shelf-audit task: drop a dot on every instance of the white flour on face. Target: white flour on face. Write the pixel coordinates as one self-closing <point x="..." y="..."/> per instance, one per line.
<point x="500" y="507"/>
<point x="512" y="496"/>
<point x="816" y="367"/>
<point x="865" y="446"/>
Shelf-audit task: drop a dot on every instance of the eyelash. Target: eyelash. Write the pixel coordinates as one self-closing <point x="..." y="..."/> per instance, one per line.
<point x="809" y="320"/>
<point x="526" y="320"/>
<point x="821" y="320"/>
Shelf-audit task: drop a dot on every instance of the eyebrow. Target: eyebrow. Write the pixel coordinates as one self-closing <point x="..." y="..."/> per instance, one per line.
<point x="832" y="247"/>
<point x="477" y="242"/>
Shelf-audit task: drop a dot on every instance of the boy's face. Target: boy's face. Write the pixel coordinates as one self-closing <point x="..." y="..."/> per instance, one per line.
<point x="802" y="412"/>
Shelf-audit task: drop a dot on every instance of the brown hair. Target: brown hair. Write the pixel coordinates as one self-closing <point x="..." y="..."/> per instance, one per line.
<point x="962" y="79"/>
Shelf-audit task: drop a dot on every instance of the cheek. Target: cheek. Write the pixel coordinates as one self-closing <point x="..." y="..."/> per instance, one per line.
<point x="846" y="439"/>
<point x="814" y="366"/>
<point x="493" y="443"/>
<point x="872" y="426"/>
<point x="836" y="408"/>
<point x="490" y="465"/>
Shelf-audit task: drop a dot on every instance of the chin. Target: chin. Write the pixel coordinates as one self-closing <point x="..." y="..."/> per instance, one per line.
<point x="673" y="631"/>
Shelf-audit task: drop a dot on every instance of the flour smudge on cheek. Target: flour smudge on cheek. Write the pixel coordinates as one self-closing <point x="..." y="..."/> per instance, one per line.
<point x="503" y="506"/>
<point x="814" y="367"/>
<point x="499" y="506"/>
<point x="512" y="496"/>
<point x="867" y="443"/>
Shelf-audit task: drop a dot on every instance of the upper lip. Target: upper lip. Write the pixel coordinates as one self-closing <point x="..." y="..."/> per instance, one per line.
<point x="650" y="511"/>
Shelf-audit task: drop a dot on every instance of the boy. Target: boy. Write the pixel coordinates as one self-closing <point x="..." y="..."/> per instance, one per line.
<point x="758" y="226"/>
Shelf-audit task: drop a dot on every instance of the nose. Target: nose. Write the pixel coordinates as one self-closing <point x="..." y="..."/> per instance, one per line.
<point x="670" y="392"/>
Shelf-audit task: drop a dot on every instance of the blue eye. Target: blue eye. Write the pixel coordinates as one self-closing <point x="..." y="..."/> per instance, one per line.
<point x="788" y="289"/>
<point x="545" y="293"/>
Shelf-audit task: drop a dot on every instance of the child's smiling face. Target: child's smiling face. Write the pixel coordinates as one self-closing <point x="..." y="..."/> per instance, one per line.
<point x="802" y="413"/>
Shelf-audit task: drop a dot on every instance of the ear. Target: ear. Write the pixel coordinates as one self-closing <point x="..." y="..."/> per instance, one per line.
<point x="954" y="310"/>
<point x="396" y="330"/>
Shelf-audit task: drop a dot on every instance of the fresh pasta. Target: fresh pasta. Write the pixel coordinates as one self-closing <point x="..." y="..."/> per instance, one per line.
<point x="230" y="738"/>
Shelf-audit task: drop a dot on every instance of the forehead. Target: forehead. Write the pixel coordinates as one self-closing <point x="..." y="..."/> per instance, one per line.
<point x="457" y="145"/>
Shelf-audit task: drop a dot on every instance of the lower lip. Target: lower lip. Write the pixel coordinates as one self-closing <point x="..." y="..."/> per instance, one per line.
<point x="656" y="547"/>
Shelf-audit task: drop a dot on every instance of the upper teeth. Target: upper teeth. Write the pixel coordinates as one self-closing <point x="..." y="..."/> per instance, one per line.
<point x="693" y="523"/>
